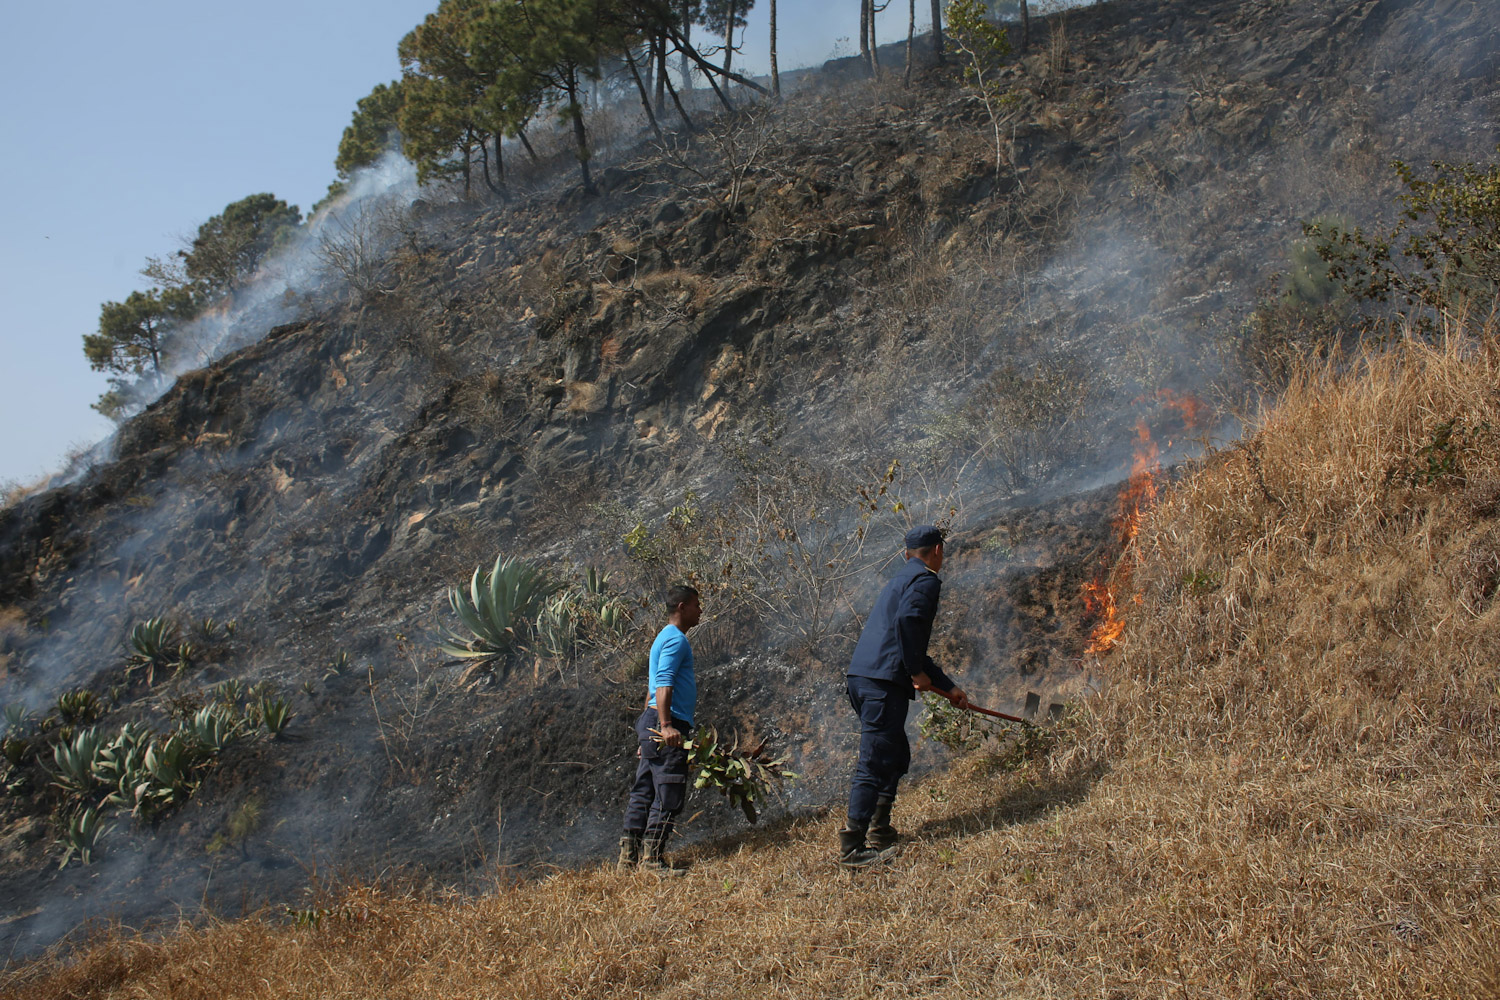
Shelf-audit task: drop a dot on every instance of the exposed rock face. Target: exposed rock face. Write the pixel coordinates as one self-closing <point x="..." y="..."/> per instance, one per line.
<point x="825" y="290"/>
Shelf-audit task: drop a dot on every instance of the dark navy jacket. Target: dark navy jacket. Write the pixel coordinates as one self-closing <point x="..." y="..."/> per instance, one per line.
<point x="893" y="645"/>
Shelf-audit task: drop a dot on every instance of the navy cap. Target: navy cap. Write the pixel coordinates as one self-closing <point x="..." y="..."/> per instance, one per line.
<point x="922" y="536"/>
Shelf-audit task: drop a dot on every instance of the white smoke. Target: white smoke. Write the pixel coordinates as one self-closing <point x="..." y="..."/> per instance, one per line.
<point x="281" y="290"/>
<point x="276" y="293"/>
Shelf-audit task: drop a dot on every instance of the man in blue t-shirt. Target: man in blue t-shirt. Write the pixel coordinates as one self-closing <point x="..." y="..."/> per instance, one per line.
<point x="890" y="665"/>
<point x="660" y="786"/>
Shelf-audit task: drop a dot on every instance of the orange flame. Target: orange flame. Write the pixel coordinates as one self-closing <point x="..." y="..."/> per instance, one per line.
<point x="1138" y="496"/>
<point x="1194" y="411"/>
<point x="1100" y="602"/>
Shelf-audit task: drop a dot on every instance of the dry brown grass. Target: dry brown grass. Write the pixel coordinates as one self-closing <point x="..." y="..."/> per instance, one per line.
<point x="1290" y="788"/>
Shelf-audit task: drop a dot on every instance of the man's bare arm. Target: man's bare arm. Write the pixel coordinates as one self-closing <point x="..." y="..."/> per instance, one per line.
<point x="670" y="734"/>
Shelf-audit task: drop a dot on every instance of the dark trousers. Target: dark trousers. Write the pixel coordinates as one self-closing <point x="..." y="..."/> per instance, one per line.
<point x="884" y="751"/>
<point x="660" y="786"/>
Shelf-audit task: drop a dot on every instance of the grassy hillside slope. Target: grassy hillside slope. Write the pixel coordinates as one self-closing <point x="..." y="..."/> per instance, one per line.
<point x="1289" y="788"/>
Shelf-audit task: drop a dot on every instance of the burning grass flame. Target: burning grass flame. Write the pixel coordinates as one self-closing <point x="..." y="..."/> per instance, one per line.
<point x="1100" y="594"/>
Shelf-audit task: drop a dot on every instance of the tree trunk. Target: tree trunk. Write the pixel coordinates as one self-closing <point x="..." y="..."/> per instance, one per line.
<point x="708" y="68"/>
<point x="645" y="97"/>
<point x="468" y="158"/>
<point x="687" y="33"/>
<point x="660" y="55"/>
<point x="911" y="33"/>
<point x="153" y="341"/>
<point x="1025" y="26"/>
<point x="484" y="164"/>
<point x="864" y="29"/>
<point x="729" y="39"/>
<point x="723" y="98"/>
<point x="874" y="48"/>
<point x="937" y="31"/>
<point x="776" y="76"/>
<point x="521" y="134"/>
<point x="580" y="136"/>
<point x="686" y="121"/>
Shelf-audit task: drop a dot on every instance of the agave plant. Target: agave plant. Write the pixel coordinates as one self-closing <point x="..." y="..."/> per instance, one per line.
<point x="211" y="630"/>
<point x="614" y="616"/>
<point x="611" y="613"/>
<point x="275" y="713"/>
<point x="153" y="643"/>
<point x="14" y="749"/>
<point x="121" y="766"/>
<point x="167" y="775"/>
<point x="75" y="761"/>
<point x="79" y="707"/>
<point x="211" y="730"/>
<point x="229" y="693"/>
<point x="496" y="608"/>
<point x="595" y="582"/>
<point x="557" y="626"/>
<point x="80" y="836"/>
<point x="341" y="664"/>
<point x="17" y="718"/>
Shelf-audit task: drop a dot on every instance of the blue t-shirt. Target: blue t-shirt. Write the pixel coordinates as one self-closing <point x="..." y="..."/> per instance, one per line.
<point x="672" y="666"/>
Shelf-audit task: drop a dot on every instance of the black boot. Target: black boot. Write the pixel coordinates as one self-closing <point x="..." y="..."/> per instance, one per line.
<point x="630" y="848"/>
<point x="852" y="850"/>
<point x="883" y="836"/>
<point x="654" y="846"/>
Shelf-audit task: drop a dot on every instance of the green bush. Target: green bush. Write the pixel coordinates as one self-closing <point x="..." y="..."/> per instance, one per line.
<point x="1309" y="282"/>
<point x="1011" y="746"/>
<point x="954" y="728"/>
<point x="242" y="823"/>
<point x="1444" y="251"/>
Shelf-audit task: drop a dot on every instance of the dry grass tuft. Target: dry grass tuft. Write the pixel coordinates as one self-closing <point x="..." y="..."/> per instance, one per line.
<point x="1290" y="788"/>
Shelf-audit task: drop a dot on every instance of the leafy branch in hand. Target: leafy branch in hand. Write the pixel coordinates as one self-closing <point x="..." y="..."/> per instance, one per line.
<point x="744" y="777"/>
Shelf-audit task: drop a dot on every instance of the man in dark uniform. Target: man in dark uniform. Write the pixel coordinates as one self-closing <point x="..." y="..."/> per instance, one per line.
<point x="890" y="665"/>
<point x="660" y="787"/>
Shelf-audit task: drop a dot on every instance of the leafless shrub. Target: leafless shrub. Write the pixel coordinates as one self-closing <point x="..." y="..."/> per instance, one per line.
<point x="785" y="543"/>
<point x="356" y="243"/>
<point x="13" y="491"/>
<point x="402" y="706"/>
<point x="719" y="163"/>
<point x="1026" y="422"/>
<point x="1058" y="57"/>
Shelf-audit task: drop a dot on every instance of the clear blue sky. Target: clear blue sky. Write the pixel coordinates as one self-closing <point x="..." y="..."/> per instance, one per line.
<point x="129" y="124"/>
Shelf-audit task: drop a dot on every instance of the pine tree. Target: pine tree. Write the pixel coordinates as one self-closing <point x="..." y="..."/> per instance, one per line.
<point x="374" y="129"/>
<point x="230" y="245"/>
